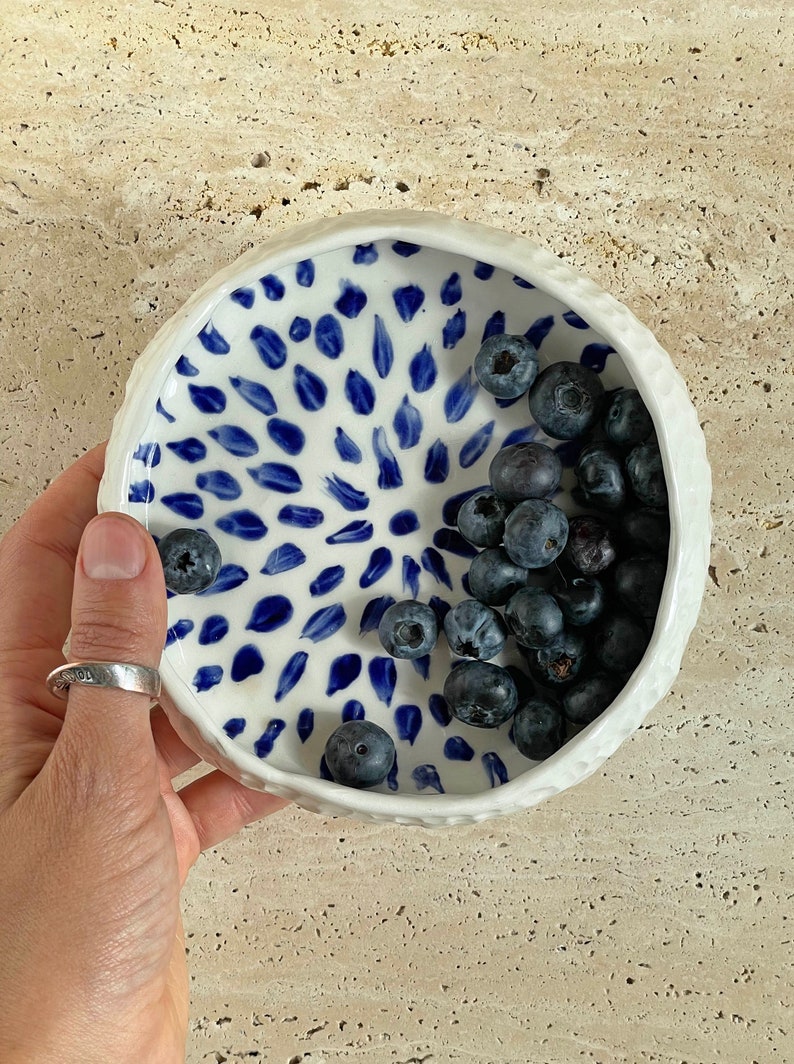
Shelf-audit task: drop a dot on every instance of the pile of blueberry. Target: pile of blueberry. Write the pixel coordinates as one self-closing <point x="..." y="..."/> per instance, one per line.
<point x="579" y="596"/>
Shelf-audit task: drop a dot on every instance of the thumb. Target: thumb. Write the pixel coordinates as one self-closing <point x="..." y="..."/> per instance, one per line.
<point x="118" y="614"/>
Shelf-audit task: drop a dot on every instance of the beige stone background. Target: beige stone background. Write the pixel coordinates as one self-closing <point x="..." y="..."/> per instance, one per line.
<point x="645" y="916"/>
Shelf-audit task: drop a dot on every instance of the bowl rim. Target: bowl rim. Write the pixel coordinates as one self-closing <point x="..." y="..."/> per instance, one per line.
<point x="685" y="464"/>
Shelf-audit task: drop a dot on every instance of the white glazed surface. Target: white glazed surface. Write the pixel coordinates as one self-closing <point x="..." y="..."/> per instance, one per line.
<point x="291" y="769"/>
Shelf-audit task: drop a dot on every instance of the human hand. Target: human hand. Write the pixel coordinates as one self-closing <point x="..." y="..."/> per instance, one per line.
<point x="96" y="843"/>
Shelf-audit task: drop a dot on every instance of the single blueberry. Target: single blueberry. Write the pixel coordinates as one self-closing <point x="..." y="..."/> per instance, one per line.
<point x="591" y="544"/>
<point x="534" y="617"/>
<point x="506" y="366"/>
<point x="620" y="642"/>
<point x="525" y="471"/>
<point x="581" y="599"/>
<point x="191" y="560"/>
<point x="538" y="728"/>
<point x="359" y="754"/>
<point x="638" y="583"/>
<point x="566" y="399"/>
<point x="646" y="474"/>
<point x="645" y="530"/>
<point x="599" y="471"/>
<point x="474" y="630"/>
<point x="586" y="699"/>
<point x="408" y="629"/>
<point x="627" y="420"/>
<point x="494" y="577"/>
<point x="560" y="662"/>
<point x="535" y="533"/>
<point x="480" y="693"/>
<point x="481" y="519"/>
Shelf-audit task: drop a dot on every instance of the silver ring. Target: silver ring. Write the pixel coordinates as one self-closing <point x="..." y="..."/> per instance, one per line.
<point x="136" y="678"/>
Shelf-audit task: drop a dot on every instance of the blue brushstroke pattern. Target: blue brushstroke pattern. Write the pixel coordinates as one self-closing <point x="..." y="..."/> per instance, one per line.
<point x="244" y="524"/>
<point x="389" y="475"/>
<point x="383" y="677"/>
<point x="301" y="516"/>
<point x="380" y="562"/>
<point x="573" y="319"/>
<point x="351" y="301"/>
<point x="326" y="580"/>
<point x="594" y="356"/>
<point x="220" y="484"/>
<point x="439" y="710"/>
<point x="184" y="503"/>
<point x="229" y="577"/>
<point x="539" y="330"/>
<point x="273" y="287"/>
<point x="185" y="367"/>
<point x="324" y="623"/>
<point x="359" y="392"/>
<point x="347" y="450"/>
<point x="148" y="453"/>
<point x="304" y="273"/>
<point x="328" y="336"/>
<point x="457" y="749"/>
<point x="451" y="290"/>
<point x="483" y="270"/>
<point x="141" y="491"/>
<point x="305" y="724"/>
<point x="310" y="389"/>
<point x="212" y="341"/>
<point x="207" y="400"/>
<point x="247" y="662"/>
<point x="277" y="477"/>
<point x="454" y="330"/>
<point x="161" y="410"/>
<point x="213" y="629"/>
<point x="403" y="523"/>
<point x="495" y="767"/>
<point x="476" y="446"/>
<point x="382" y="349"/>
<point x="353" y="710"/>
<point x="300" y="329"/>
<point x="234" y="727"/>
<point x="411" y="574"/>
<point x="405" y="249"/>
<point x="437" y="463"/>
<point x="372" y="613"/>
<point x="408" y="721"/>
<point x="433" y="563"/>
<point x="460" y="396"/>
<point x="495" y="325"/>
<point x="289" y="437"/>
<point x="422" y="370"/>
<point x="291" y="673"/>
<point x="345" y="494"/>
<point x="365" y="254"/>
<point x="269" y="345"/>
<point x="425" y="776"/>
<point x="235" y="440"/>
<point x="269" y="614"/>
<point x="355" y="532"/>
<point x="255" y="394"/>
<point x="344" y="670"/>
<point x="264" y="744"/>
<point x="178" y="631"/>
<point x="208" y="676"/>
<point x="407" y="424"/>
<point x="243" y="296"/>
<point x="422" y="665"/>
<point x="521" y="283"/>
<point x="282" y="559"/>
<point x="408" y="301"/>
<point x="522" y="435"/>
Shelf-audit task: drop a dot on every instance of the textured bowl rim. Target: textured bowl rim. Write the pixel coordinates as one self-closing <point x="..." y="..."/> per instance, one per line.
<point x="684" y="457"/>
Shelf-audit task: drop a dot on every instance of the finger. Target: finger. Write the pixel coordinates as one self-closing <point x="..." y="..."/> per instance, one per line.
<point x="176" y="755"/>
<point x="118" y="614"/>
<point x="219" y="807"/>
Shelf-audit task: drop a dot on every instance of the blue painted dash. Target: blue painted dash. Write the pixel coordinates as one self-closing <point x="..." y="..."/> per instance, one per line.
<point x="422" y="370"/>
<point x="282" y="559"/>
<point x="439" y="710"/>
<point x="207" y="677"/>
<point x="277" y="477"/>
<point x="141" y="491"/>
<point x="220" y="484"/>
<point x="460" y="396"/>
<point x="347" y="450"/>
<point x="247" y="662"/>
<point x="255" y="394"/>
<point x="383" y="677"/>
<point x="408" y="301"/>
<point x="594" y="356"/>
<point x="389" y="475"/>
<point x="365" y="254"/>
<point x="355" y="532"/>
<point x="212" y="341"/>
<point x="573" y="319"/>
<point x="382" y="349"/>
<point x="326" y="580"/>
<point x="324" y="622"/>
<point x="286" y="435"/>
<point x="345" y="494"/>
<point x="407" y="424"/>
<point x="305" y="724"/>
<point x="301" y="516"/>
<point x="344" y="671"/>
<point x="426" y="776"/>
<point x="291" y="674"/>
<point x="235" y="440"/>
<point x="273" y="287"/>
<point x="269" y="345"/>
<point x="328" y="336"/>
<point x="229" y="577"/>
<point x="495" y="768"/>
<point x="379" y="563"/>
<point x="408" y="721"/>
<point x="264" y="744"/>
<point x="437" y="463"/>
<point x="234" y="727"/>
<point x="185" y="504"/>
<point x="269" y="614"/>
<point x="410" y="575"/>
<point x="208" y="399"/>
<point x="353" y="710"/>
<point x="214" y="628"/>
<point x="185" y="367"/>
<point x="359" y="392"/>
<point x="300" y="329"/>
<point x="539" y="330"/>
<point x="310" y="389"/>
<point x="372" y="613"/>
<point x="244" y="297"/>
<point x="244" y="524"/>
<point x="457" y="749"/>
<point x="351" y="301"/>
<point x="304" y="273"/>
<point x="451" y="290"/>
<point x="454" y="330"/>
<point x="483" y="270"/>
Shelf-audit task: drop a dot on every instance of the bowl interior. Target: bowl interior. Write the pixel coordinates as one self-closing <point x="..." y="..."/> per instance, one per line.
<point x="321" y="426"/>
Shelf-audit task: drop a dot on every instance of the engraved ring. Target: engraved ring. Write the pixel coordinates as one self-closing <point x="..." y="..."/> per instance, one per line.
<point x="137" y="678"/>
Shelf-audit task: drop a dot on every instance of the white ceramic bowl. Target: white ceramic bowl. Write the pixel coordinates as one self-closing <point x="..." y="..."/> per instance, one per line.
<point x="313" y="406"/>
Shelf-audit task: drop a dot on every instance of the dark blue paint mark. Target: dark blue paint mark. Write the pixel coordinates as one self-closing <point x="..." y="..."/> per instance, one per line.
<point x="324" y="623"/>
<point x="247" y="662"/>
<point x="243" y="296"/>
<point x="476" y="446"/>
<point x="274" y="287"/>
<point x="269" y="614"/>
<point x="299" y="329"/>
<point x="422" y="665"/>
<point x="439" y="710"/>
<point x="495" y="325"/>
<point x="291" y="673"/>
<point x="234" y="727"/>
<point x="433" y="563"/>
<point x="437" y="463"/>
<point x="405" y="249"/>
<point x="372" y="613"/>
<point x="521" y="283"/>
<point x="244" y="524"/>
<point x="178" y="631"/>
<point x="594" y="356"/>
<point x="264" y="744"/>
<point x="282" y="559"/>
<point x="141" y="491"/>
<point x="304" y="273"/>
<point x="220" y="484"/>
<point x="379" y="563"/>
<point x="305" y="724"/>
<point x="539" y="330"/>
<point x="347" y="450"/>
<point x="389" y="475"/>
<point x="383" y="677"/>
<point x="451" y="290"/>
<point x="422" y="370"/>
<point x="345" y="494"/>
<point x="213" y="629"/>
<point x="408" y="300"/>
<point x="161" y="410"/>
<point x="425" y="776"/>
<point x="229" y="577"/>
<point x="255" y="394"/>
<point x="495" y="767"/>
<point x="207" y="400"/>
<point x="185" y="367"/>
<point x="359" y="392"/>
<point x="212" y="341"/>
<point x="269" y="345"/>
<point x="522" y="435"/>
<point x="344" y="670"/>
<point x="407" y="424"/>
<point x="382" y="349"/>
<point x="301" y="516"/>
<point x="355" y="532"/>
<point x="277" y="477"/>
<point x="326" y="580"/>
<point x="310" y="389"/>
<point x="353" y="710"/>
<point x="184" y="503"/>
<point x="328" y="336"/>
<point x="408" y="721"/>
<point x="483" y="270"/>
<point x="457" y="749"/>
<point x="411" y="574"/>
<point x="454" y="330"/>
<point x="460" y="396"/>
<point x="450" y="540"/>
<point x="208" y="676"/>
<point x="365" y="254"/>
<point x="235" y="440"/>
<point x="148" y="453"/>
<point x="573" y="319"/>
<point x="403" y="523"/>
<point x="352" y="300"/>
<point x="289" y="437"/>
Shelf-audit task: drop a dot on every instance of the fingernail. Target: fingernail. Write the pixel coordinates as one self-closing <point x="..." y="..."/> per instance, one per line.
<point x="112" y="549"/>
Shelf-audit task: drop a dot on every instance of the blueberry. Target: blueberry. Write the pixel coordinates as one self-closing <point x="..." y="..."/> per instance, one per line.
<point x="599" y="471"/>
<point x="646" y="474"/>
<point x="534" y="617"/>
<point x="620" y="642"/>
<point x="586" y="699"/>
<point x="525" y="471"/>
<point x="591" y="544"/>
<point x="638" y="583"/>
<point x="191" y="560"/>
<point x="560" y="662"/>
<point x="626" y="419"/>
<point x="481" y="519"/>
<point x="538" y="728"/>
<point x="474" y="630"/>
<point x="581" y="599"/>
<point x="480" y="693"/>
<point x="566" y="399"/>
<point x="506" y="366"/>
<point x="359" y="754"/>
<point x="494" y="576"/>
<point x="408" y="629"/>
<point x="535" y="533"/>
<point x="646" y="530"/>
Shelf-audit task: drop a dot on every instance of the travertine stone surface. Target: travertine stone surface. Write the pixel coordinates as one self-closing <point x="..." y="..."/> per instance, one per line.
<point x="644" y="916"/>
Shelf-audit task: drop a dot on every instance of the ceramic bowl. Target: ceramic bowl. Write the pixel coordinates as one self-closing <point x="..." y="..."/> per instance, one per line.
<point x="313" y="407"/>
